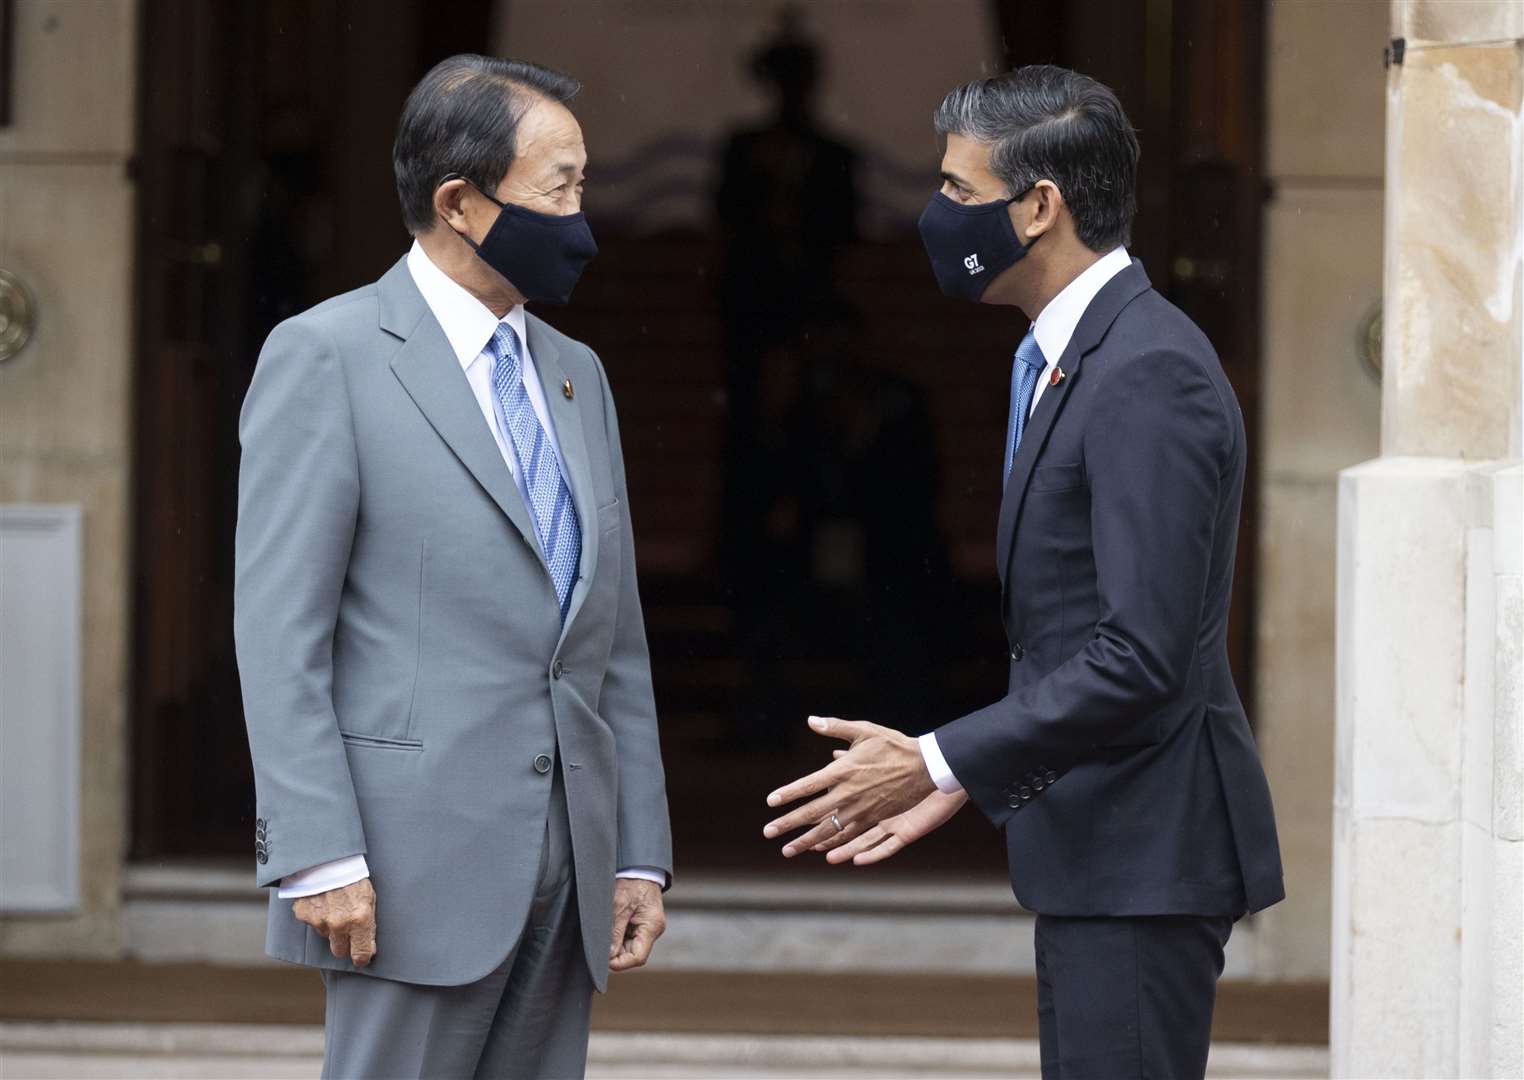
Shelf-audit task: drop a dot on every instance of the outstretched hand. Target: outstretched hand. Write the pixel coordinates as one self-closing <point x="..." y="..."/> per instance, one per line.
<point x="889" y="838"/>
<point x="880" y="776"/>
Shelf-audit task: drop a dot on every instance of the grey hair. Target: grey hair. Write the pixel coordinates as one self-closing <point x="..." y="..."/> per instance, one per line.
<point x="461" y="118"/>
<point x="1049" y="123"/>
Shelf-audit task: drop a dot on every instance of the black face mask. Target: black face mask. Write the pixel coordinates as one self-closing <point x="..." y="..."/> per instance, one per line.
<point x="541" y="255"/>
<point x="970" y="246"/>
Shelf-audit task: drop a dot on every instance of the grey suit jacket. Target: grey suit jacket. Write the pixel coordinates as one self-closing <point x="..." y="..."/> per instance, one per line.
<point x="405" y="671"/>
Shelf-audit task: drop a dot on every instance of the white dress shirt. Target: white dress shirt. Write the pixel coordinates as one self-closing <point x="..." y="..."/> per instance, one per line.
<point x="468" y="325"/>
<point x="1054" y="327"/>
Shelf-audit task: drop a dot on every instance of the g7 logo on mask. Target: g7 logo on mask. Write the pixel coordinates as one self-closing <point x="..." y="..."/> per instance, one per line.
<point x="972" y="262"/>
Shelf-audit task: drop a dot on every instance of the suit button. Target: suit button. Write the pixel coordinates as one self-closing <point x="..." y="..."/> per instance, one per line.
<point x="557" y="669"/>
<point x="1052" y="776"/>
<point x="1026" y="793"/>
<point x="542" y="764"/>
<point x="1037" y="783"/>
<point x="1014" y="803"/>
<point x="1018" y="652"/>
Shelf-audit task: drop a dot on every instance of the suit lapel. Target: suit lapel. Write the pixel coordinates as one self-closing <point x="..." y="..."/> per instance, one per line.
<point x="1032" y="440"/>
<point x="426" y="367"/>
<point x="566" y="415"/>
<point x="1115" y="295"/>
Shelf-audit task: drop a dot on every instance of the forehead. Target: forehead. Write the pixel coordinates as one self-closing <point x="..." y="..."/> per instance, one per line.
<point x="549" y="137"/>
<point x="968" y="158"/>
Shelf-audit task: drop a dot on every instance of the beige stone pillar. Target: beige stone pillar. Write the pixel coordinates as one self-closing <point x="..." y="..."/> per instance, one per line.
<point x="1451" y="380"/>
<point x="1320" y="412"/>
<point x="1426" y="961"/>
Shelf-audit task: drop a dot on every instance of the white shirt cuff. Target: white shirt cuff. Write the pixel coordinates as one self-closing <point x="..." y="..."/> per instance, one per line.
<point x="323" y="877"/>
<point x="936" y="764"/>
<point x="644" y="873"/>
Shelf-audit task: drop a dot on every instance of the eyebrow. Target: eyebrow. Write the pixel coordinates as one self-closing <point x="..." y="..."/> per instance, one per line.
<point x="956" y="179"/>
<point x="566" y="169"/>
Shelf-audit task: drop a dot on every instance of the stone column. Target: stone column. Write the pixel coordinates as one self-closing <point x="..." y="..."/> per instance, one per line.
<point x="1426" y="963"/>
<point x="1320" y="412"/>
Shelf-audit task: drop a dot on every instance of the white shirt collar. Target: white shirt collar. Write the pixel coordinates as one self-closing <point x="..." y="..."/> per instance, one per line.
<point x="1056" y="322"/>
<point x="467" y="322"/>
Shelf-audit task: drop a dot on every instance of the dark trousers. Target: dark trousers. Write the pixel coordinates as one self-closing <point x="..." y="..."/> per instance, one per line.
<point x="1127" y="997"/>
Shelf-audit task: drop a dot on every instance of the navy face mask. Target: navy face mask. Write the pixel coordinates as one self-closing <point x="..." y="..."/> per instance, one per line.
<point x="970" y="246"/>
<point x="541" y="255"/>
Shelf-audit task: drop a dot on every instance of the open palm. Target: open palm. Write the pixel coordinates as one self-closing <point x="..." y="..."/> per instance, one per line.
<point x="892" y="835"/>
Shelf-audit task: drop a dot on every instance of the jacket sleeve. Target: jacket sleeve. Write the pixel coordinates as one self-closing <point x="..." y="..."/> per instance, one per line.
<point x="298" y="497"/>
<point x="627" y="702"/>
<point x="1156" y="446"/>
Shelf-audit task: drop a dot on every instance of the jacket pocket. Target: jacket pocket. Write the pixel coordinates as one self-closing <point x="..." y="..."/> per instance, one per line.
<point x="608" y="517"/>
<point x="1058" y="477"/>
<point x="354" y="738"/>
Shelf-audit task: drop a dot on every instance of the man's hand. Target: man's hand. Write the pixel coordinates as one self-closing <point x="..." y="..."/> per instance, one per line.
<point x="639" y="920"/>
<point x="346" y="917"/>
<point x="889" y="838"/>
<point x="881" y="776"/>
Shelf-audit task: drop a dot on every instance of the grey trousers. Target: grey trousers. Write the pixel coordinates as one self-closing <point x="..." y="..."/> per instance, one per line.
<point x="529" y="1018"/>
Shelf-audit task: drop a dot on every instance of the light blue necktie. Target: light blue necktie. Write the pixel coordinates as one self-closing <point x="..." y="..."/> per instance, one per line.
<point x="1025" y="368"/>
<point x="550" y="500"/>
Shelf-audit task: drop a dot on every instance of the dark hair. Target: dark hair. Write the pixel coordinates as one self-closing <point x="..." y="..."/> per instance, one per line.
<point x="461" y="118"/>
<point x="1049" y="123"/>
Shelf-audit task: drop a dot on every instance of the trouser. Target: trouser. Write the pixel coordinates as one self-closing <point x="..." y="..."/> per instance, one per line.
<point x="1127" y="997"/>
<point x="528" y="1018"/>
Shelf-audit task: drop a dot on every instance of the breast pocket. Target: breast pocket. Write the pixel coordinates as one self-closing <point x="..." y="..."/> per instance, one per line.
<point x="608" y="518"/>
<point x="1059" y="477"/>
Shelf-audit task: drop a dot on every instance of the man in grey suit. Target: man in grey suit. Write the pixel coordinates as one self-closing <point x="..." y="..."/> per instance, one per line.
<point x="460" y="792"/>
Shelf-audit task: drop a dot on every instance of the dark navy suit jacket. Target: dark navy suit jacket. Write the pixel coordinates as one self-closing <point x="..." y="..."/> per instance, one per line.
<point x="1120" y="762"/>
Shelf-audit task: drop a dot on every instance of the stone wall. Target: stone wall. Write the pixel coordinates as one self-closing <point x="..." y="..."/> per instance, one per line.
<point x="1428" y="947"/>
<point x="66" y="228"/>
<point x="1321" y="413"/>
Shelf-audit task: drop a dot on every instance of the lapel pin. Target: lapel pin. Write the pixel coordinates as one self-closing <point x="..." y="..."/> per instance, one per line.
<point x="1057" y="377"/>
<point x="566" y="388"/>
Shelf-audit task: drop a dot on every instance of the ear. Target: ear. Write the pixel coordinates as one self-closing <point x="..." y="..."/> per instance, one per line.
<point x="1044" y="205"/>
<point x="449" y="198"/>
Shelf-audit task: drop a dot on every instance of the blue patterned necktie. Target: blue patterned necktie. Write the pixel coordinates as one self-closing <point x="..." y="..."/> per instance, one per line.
<point x="1025" y="368"/>
<point x="550" y="500"/>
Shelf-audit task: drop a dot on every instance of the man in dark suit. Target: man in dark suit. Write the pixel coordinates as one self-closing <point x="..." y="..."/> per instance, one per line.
<point x="1120" y="762"/>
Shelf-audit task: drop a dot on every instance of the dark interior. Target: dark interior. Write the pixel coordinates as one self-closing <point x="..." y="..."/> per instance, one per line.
<point x="812" y="432"/>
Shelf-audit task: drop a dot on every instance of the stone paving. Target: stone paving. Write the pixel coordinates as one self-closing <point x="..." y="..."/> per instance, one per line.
<point x="86" y="1051"/>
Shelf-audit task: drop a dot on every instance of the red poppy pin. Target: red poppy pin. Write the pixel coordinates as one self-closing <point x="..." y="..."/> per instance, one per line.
<point x="1057" y="377"/>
